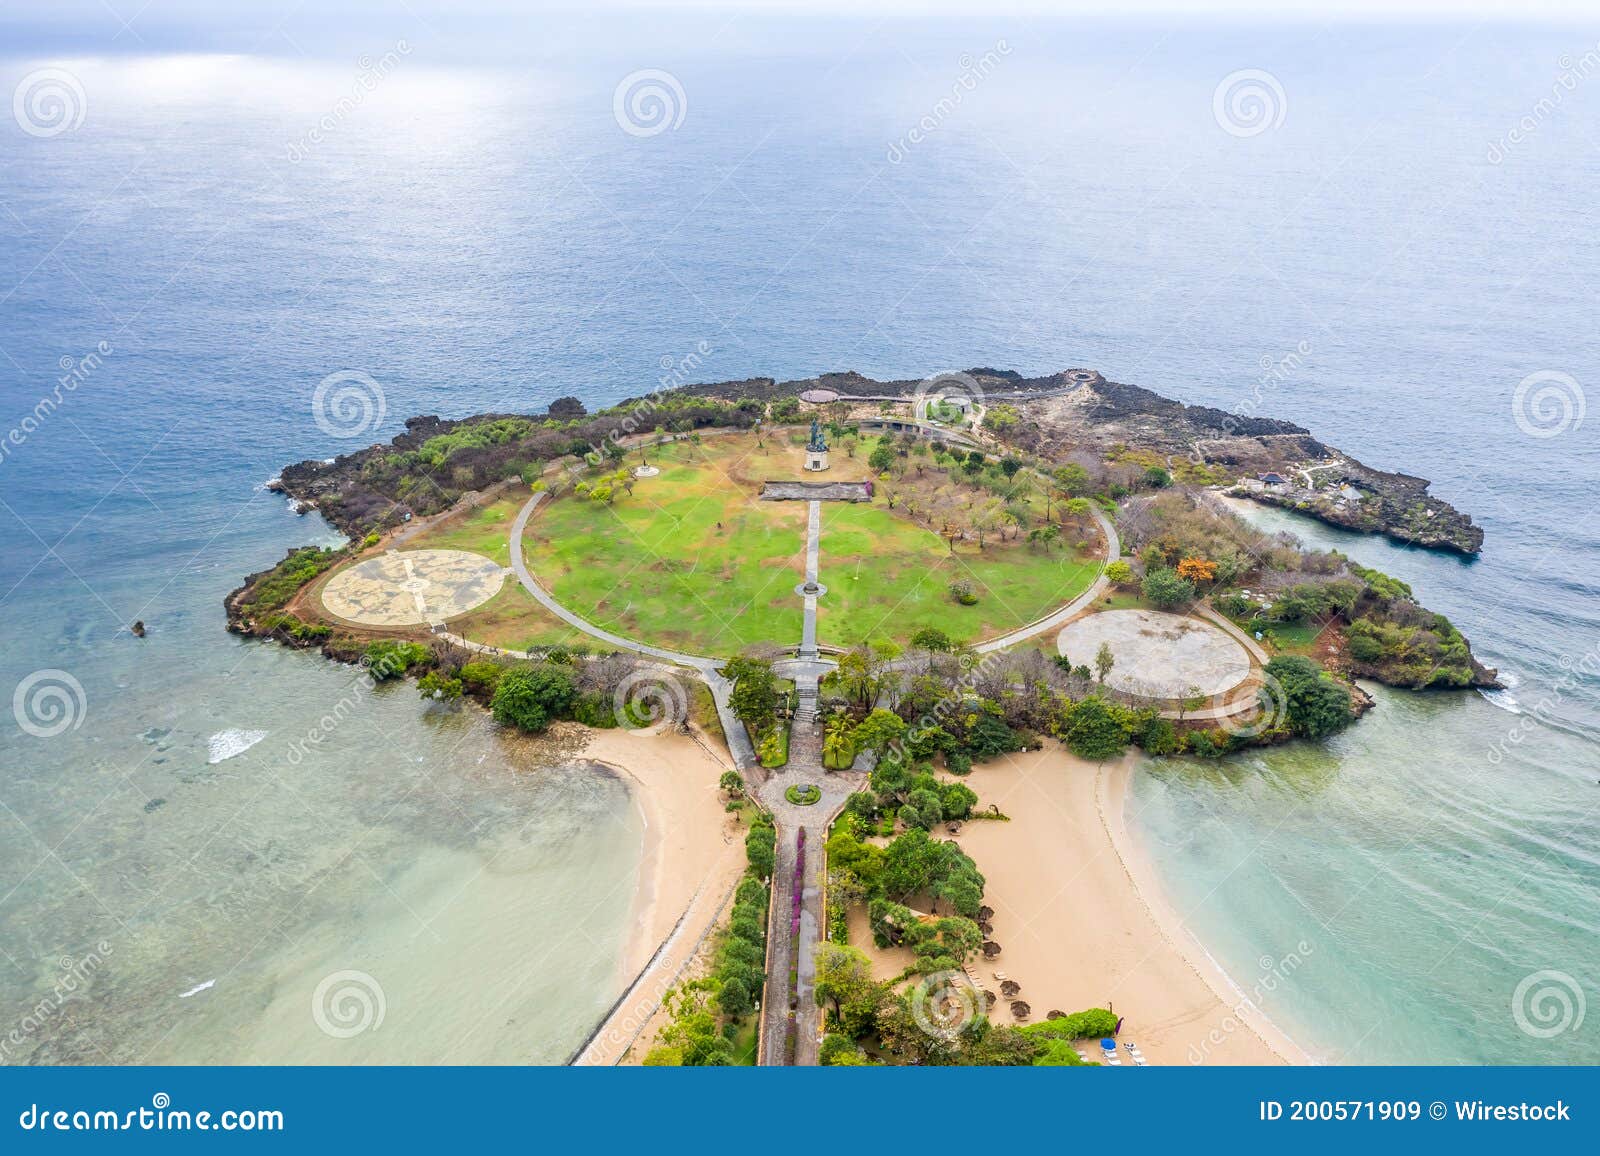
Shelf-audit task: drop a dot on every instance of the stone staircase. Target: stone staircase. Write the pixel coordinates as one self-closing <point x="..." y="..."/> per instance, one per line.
<point x="806" y="709"/>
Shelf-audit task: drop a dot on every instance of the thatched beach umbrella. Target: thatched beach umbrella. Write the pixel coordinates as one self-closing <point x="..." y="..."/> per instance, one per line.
<point x="1020" y="1010"/>
<point x="1010" y="988"/>
<point x="990" y="949"/>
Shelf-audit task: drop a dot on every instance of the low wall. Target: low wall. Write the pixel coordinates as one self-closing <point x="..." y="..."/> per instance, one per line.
<point x="816" y="491"/>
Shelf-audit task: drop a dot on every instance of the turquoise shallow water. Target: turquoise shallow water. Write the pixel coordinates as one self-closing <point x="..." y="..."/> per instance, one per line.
<point x="1418" y="869"/>
<point x="476" y="232"/>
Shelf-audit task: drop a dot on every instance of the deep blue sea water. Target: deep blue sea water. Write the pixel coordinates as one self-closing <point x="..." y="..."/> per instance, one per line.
<point x="230" y="223"/>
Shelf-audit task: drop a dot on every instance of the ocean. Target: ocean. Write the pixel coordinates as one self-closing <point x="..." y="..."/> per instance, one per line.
<point x="1384" y="238"/>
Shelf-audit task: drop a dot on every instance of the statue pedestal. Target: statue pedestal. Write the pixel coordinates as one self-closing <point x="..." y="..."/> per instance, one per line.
<point x="816" y="460"/>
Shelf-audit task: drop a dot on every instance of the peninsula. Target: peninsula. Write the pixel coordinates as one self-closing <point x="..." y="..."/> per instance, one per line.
<point x="879" y="618"/>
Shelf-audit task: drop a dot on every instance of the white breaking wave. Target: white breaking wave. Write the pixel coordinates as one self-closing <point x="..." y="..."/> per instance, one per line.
<point x="197" y="989"/>
<point x="227" y="744"/>
<point x="1503" y="698"/>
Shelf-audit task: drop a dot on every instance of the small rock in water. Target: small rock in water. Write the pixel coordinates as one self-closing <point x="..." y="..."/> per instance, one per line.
<point x="137" y="629"/>
<point x="153" y="804"/>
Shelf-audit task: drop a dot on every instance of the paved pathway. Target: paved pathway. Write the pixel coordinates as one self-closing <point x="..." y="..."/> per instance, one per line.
<point x="1071" y="609"/>
<point x="808" y="632"/>
<point x="805" y="766"/>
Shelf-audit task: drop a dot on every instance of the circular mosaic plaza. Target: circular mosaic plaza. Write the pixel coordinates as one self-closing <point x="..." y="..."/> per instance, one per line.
<point x="1157" y="655"/>
<point x="412" y="587"/>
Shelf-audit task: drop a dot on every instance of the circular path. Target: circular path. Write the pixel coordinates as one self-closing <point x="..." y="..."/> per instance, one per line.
<point x="1157" y="655"/>
<point x="412" y="587"/>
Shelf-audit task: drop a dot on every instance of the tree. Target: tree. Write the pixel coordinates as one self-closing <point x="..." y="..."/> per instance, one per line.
<point x="1197" y="569"/>
<point x="880" y="459"/>
<point x="732" y="783"/>
<point x="932" y="638"/>
<point x="862" y="674"/>
<point x="879" y="731"/>
<point x="922" y="808"/>
<point x="529" y="697"/>
<point x="1119" y="573"/>
<point x="1157" y="478"/>
<point x="836" y="748"/>
<point x="760" y="849"/>
<point x="1093" y="730"/>
<point x="1071" y="479"/>
<point x="734" y="998"/>
<point x="1193" y="699"/>
<point x="1166" y="588"/>
<point x="1103" y="662"/>
<point x="1313" y="704"/>
<point x="754" y="698"/>
<point x="844" y="980"/>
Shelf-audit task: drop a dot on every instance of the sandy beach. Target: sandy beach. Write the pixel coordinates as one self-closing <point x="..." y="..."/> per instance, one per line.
<point x="692" y="858"/>
<point x="1083" y="921"/>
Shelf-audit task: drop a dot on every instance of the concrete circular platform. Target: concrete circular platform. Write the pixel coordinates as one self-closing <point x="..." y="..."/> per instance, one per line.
<point x="1157" y="655"/>
<point x="412" y="587"/>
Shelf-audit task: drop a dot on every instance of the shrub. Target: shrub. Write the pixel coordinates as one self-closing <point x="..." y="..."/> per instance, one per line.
<point x="1094" y="729"/>
<point x="481" y="677"/>
<point x="1315" y="705"/>
<point x="385" y="660"/>
<point x="1119" y="573"/>
<point x="760" y="849"/>
<point x="595" y="710"/>
<point x="437" y="684"/>
<point x="529" y="697"/>
<point x="956" y="800"/>
<point x="1095" y="1022"/>
<point x="1167" y="588"/>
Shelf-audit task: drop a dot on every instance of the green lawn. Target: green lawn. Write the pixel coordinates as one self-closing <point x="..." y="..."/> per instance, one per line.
<point x="887" y="577"/>
<point x="691" y="559"/>
<point x="485" y="531"/>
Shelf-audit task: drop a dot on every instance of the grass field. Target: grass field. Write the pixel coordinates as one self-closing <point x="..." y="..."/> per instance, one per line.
<point x="887" y="577"/>
<point x="485" y="531"/>
<point x="691" y="559"/>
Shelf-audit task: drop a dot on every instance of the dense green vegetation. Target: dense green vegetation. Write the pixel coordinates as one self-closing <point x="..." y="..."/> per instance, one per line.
<point x="1297" y="598"/>
<point x="869" y="1022"/>
<point x="273" y="589"/>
